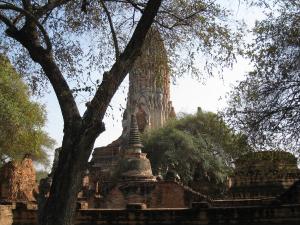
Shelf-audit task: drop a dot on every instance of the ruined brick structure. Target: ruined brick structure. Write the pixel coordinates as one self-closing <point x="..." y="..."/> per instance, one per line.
<point x="134" y="166"/>
<point x="136" y="197"/>
<point x="148" y="99"/>
<point x="134" y="183"/>
<point x="149" y="87"/>
<point x="6" y="215"/>
<point x="18" y="181"/>
<point x="284" y="210"/>
<point x="263" y="174"/>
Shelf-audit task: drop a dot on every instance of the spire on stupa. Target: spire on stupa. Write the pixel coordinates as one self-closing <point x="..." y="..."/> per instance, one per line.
<point x="134" y="142"/>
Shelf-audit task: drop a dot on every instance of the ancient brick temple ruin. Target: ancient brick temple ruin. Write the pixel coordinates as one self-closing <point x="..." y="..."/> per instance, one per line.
<point x="148" y="99"/>
<point x="120" y="188"/>
<point x="133" y="182"/>
<point x="266" y="174"/>
<point x="136" y="197"/>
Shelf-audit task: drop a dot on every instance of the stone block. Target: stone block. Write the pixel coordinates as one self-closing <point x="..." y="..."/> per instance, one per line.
<point x="82" y="205"/>
<point x="6" y="216"/>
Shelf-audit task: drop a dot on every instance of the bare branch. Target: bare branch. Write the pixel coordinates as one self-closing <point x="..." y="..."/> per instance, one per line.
<point x="181" y="21"/>
<point x="17" y="19"/>
<point x="49" y="7"/>
<point x="28" y="14"/>
<point x="62" y="90"/>
<point x="46" y="17"/>
<point x="8" y="23"/>
<point x="135" y="5"/>
<point x="113" y="32"/>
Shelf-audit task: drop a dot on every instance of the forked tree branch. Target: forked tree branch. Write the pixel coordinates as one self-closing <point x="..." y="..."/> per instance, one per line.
<point x="32" y="17"/>
<point x="113" y="32"/>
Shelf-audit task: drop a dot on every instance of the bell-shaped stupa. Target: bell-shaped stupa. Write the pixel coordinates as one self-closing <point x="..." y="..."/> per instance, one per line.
<point x="135" y="165"/>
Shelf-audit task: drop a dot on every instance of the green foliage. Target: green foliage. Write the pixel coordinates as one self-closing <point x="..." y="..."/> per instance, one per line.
<point x="195" y="142"/>
<point x="265" y="105"/>
<point x="21" y="120"/>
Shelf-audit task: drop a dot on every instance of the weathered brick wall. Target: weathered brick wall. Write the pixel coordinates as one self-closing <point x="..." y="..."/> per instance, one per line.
<point x="284" y="210"/>
<point x="199" y="214"/>
<point x="167" y="194"/>
<point x="25" y="214"/>
<point x="263" y="174"/>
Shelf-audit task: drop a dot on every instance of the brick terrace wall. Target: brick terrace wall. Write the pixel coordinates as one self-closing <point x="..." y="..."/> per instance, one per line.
<point x="166" y="194"/>
<point x="282" y="211"/>
<point x="200" y="213"/>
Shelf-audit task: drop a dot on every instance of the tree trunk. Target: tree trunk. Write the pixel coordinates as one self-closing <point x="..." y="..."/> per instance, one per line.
<point x="77" y="146"/>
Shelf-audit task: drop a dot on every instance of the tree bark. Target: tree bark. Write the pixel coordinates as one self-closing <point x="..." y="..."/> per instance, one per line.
<point x="77" y="145"/>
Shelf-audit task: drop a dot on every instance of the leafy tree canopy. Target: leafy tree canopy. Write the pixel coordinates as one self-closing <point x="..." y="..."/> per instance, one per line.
<point x="87" y="36"/>
<point x="21" y="119"/>
<point x="266" y="105"/>
<point x="195" y="142"/>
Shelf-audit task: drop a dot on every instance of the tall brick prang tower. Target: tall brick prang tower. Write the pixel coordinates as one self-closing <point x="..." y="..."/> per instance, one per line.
<point x="149" y="87"/>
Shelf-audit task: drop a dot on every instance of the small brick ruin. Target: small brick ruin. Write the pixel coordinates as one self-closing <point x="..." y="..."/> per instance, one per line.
<point x="18" y="181"/>
<point x="263" y="174"/>
<point x="6" y="215"/>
